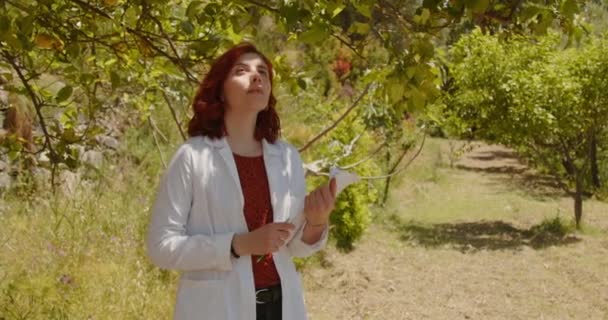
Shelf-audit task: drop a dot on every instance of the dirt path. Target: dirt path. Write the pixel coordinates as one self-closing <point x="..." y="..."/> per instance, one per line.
<point x="468" y="266"/>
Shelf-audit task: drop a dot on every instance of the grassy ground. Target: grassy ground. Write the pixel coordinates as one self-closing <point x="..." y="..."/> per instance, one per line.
<point x="483" y="240"/>
<point x="79" y="255"/>
<point x="465" y="242"/>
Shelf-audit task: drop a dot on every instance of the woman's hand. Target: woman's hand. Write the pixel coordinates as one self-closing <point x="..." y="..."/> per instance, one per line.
<point x="266" y="239"/>
<point x="319" y="204"/>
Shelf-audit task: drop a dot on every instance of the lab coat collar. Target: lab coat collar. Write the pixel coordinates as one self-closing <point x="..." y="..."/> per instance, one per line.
<point x="268" y="148"/>
<point x="271" y="154"/>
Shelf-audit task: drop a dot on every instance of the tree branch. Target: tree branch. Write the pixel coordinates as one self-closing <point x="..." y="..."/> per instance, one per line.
<point x="38" y="106"/>
<point x="333" y="125"/>
<point x="553" y="170"/>
<point x="393" y="170"/>
<point x="349" y="45"/>
<point x="178" y="59"/>
<point x="261" y="4"/>
<point x="35" y="100"/>
<point x="160" y="153"/>
<point x="371" y="155"/>
<point x="177" y="123"/>
<point x="175" y="60"/>
<point x="155" y="128"/>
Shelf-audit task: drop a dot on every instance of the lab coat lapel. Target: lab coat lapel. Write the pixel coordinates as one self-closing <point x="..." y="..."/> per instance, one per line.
<point x="226" y="154"/>
<point x="276" y="182"/>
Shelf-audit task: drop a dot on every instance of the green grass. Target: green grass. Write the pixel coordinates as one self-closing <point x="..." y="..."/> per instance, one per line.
<point x="81" y="256"/>
<point x="431" y="192"/>
<point x="454" y="243"/>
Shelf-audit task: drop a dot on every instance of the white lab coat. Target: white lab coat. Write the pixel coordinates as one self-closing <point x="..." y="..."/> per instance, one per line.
<point x="198" y="209"/>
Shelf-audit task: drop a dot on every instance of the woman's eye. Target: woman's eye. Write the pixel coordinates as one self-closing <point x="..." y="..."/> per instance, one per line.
<point x="239" y="70"/>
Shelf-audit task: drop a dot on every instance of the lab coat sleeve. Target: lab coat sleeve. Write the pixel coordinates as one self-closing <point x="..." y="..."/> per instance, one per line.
<point x="296" y="246"/>
<point x="168" y="245"/>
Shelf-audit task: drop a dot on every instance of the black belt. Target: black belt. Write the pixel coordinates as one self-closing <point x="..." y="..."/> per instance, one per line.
<point x="267" y="295"/>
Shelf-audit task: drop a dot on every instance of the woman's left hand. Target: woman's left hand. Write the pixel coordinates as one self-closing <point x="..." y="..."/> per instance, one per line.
<point x="319" y="203"/>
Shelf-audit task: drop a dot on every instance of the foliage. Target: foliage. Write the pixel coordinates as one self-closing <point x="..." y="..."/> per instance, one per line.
<point x="143" y="55"/>
<point x="351" y="216"/>
<point x="547" y="102"/>
<point x="78" y="62"/>
<point x="79" y="256"/>
<point x="555" y="226"/>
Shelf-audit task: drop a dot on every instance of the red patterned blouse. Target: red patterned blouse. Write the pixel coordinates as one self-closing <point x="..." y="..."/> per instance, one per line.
<point x="258" y="212"/>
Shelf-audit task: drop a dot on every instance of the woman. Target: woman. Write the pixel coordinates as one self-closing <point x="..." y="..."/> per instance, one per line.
<point x="232" y="208"/>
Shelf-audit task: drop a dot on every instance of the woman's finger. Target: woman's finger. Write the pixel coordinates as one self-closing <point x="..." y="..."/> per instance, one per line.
<point x="317" y="200"/>
<point x="283" y="235"/>
<point x="329" y="200"/>
<point x="322" y="196"/>
<point x="307" y="206"/>
<point x="333" y="187"/>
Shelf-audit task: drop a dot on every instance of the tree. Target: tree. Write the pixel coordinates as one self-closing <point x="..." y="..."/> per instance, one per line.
<point x="77" y="60"/>
<point x="547" y="102"/>
<point x="141" y="53"/>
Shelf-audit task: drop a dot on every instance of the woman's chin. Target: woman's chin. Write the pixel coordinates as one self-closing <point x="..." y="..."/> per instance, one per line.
<point x="257" y="107"/>
<point x="260" y="109"/>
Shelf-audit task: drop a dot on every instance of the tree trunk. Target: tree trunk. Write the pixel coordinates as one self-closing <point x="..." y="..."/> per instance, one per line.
<point x="595" y="172"/>
<point x="578" y="202"/>
<point x="387" y="183"/>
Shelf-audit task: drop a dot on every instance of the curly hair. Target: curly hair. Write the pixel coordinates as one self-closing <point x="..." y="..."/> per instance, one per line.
<point x="209" y="109"/>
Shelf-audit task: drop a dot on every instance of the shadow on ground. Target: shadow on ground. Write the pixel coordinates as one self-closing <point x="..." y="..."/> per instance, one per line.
<point x="483" y="235"/>
<point x="505" y="167"/>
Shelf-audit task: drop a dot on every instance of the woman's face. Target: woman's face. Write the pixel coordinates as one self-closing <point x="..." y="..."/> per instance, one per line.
<point x="247" y="87"/>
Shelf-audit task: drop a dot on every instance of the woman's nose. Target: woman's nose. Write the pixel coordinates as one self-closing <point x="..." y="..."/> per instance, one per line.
<point x="256" y="78"/>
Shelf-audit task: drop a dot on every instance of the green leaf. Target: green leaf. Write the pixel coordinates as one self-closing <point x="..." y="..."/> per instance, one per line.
<point x="418" y="99"/>
<point x="69" y="135"/>
<point x="26" y="24"/>
<point x="115" y="80"/>
<point x="7" y="75"/>
<point x="529" y="12"/>
<point x="291" y="14"/>
<point x="360" y="28"/>
<point x="543" y="24"/>
<point x="194" y="8"/>
<point x="569" y="8"/>
<point x="233" y="36"/>
<point x="86" y="77"/>
<point x="171" y="70"/>
<point x="13" y="155"/>
<point x="478" y="5"/>
<point x="411" y="71"/>
<point x="430" y="3"/>
<point x="110" y="62"/>
<point x="425" y="15"/>
<point x="395" y="90"/>
<point x="203" y="47"/>
<point x="302" y="83"/>
<point x="5" y="24"/>
<point x="425" y="48"/>
<point x="315" y="34"/>
<point x="337" y="10"/>
<point x="364" y="9"/>
<point x="63" y="94"/>
<point x="187" y="27"/>
<point x="73" y="50"/>
<point x="12" y="41"/>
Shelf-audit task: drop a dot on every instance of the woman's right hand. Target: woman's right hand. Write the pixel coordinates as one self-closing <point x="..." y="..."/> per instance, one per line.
<point x="266" y="239"/>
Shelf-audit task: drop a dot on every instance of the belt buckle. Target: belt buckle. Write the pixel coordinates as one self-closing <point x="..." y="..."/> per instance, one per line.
<point x="256" y="295"/>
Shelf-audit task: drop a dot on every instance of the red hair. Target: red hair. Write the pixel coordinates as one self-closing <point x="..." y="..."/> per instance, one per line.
<point x="208" y="118"/>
